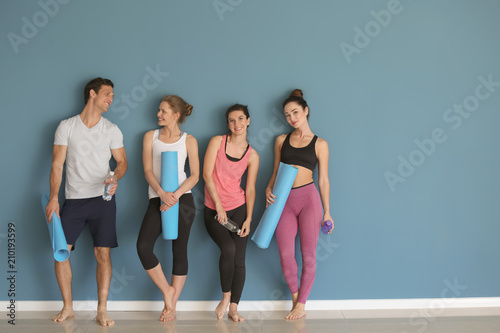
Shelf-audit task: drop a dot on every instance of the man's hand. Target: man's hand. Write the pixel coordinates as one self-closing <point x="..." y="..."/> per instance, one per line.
<point x="52" y="207"/>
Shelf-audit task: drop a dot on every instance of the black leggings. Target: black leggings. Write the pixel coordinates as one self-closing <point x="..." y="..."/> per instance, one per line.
<point x="151" y="229"/>
<point x="232" y="250"/>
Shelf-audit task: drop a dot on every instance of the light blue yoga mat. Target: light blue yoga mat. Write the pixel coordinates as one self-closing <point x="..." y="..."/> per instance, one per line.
<point x="282" y="186"/>
<point x="169" y="183"/>
<point x="57" y="238"/>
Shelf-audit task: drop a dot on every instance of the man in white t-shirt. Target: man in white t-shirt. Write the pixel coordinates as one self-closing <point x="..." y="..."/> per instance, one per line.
<point x="86" y="143"/>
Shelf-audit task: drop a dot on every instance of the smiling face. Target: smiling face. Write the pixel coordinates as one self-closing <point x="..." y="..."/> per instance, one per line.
<point x="103" y="99"/>
<point x="237" y="122"/>
<point x="166" y="115"/>
<point x="295" y="114"/>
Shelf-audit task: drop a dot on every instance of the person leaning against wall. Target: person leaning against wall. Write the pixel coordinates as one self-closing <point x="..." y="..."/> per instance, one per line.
<point x="86" y="143"/>
<point x="302" y="211"/>
<point x="173" y="111"/>
<point x="226" y="160"/>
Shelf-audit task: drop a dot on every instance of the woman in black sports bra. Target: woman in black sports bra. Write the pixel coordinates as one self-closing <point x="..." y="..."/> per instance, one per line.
<point x="306" y="209"/>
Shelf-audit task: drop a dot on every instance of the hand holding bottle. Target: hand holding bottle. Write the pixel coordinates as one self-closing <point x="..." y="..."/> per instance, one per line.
<point x="229" y="224"/>
<point x="245" y="228"/>
<point x="327" y="227"/>
<point x="110" y="186"/>
<point x="221" y="215"/>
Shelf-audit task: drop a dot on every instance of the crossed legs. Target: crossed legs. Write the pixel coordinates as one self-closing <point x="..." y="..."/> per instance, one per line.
<point x="302" y="213"/>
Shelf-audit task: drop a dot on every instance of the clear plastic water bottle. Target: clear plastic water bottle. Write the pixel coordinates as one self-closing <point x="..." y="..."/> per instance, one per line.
<point x="230" y="225"/>
<point x="110" y="181"/>
<point x="327" y="226"/>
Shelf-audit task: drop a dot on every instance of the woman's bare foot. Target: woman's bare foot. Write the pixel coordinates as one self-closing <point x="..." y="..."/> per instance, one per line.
<point x="167" y="298"/>
<point x="103" y="319"/>
<point x="233" y="313"/>
<point x="168" y="312"/>
<point x="295" y="299"/>
<point x="297" y="312"/>
<point x="221" y="309"/>
<point x="177" y="283"/>
<point x="64" y="314"/>
<point x="168" y="315"/>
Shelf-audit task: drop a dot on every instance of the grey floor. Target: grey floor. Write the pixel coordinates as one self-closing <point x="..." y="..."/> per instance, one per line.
<point x="480" y="320"/>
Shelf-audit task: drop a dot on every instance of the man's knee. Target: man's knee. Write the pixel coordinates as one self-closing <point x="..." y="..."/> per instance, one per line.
<point x="102" y="254"/>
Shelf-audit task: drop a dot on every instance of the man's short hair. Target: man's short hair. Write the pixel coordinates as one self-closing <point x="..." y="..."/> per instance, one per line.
<point x="96" y="84"/>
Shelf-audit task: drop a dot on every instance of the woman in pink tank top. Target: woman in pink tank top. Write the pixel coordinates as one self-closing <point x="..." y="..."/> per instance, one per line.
<point x="226" y="160"/>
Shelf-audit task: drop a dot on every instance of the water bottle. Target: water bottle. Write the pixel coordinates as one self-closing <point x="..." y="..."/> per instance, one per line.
<point x="110" y="181"/>
<point x="327" y="226"/>
<point x="230" y="225"/>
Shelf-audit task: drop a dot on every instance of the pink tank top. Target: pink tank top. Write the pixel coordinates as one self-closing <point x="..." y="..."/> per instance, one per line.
<point x="227" y="178"/>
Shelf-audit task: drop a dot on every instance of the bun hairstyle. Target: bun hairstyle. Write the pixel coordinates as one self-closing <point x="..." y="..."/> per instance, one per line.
<point x="297" y="93"/>
<point x="189" y="109"/>
<point x="297" y="96"/>
<point x="178" y="105"/>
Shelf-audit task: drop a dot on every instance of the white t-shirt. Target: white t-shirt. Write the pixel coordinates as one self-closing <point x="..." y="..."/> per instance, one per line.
<point x="88" y="155"/>
<point x="158" y="147"/>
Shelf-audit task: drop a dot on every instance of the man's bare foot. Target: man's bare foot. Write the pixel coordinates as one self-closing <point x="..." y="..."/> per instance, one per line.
<point x="63" y="315"/>
<point x="103" y="319"/>
<point x="233" y="313"/>
<point x="221" y="309"/>
<point x="168" y="315"/>
<point x="297" y="312"/>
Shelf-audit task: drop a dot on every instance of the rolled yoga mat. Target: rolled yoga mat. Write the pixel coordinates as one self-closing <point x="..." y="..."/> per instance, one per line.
<point x="56" y="232"/>
<point x="282" y="186"/>
<point x="170" y="183"/>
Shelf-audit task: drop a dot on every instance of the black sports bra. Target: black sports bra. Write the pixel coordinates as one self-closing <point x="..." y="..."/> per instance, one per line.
<point x="234" y="159"/>
<point x="304" y="156"/>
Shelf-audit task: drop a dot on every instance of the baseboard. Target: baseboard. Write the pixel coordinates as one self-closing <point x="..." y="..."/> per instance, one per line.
<point x="370" y="304"/>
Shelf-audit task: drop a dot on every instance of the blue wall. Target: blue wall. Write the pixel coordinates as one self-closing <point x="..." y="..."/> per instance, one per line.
<point x="414" y="179"/>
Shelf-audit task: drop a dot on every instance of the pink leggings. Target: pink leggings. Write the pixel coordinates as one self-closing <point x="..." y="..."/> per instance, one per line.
<point x="303" y="211"/>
